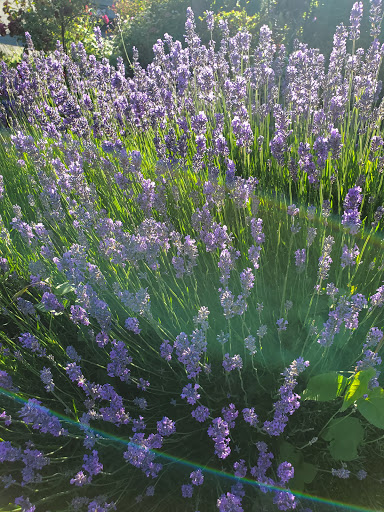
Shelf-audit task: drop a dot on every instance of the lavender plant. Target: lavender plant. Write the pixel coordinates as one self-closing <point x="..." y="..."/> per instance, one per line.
<point x="170" y="326"/>
<point x="315" y="127"/>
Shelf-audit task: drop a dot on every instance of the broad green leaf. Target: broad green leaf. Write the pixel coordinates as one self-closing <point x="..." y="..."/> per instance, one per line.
<point x="289" y="453"/>
<point x="358" y="387"/>
<point x="324" y="387"/>
<point x="345" y="435"/>
<point x="64" y="288"/>
<point x="308" y="471"/>
<point x="372" y="408"/>
<point x="304" y="471"/>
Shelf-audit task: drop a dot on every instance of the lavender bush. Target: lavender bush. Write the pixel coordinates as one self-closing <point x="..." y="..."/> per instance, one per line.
<point x="169" y="324"/>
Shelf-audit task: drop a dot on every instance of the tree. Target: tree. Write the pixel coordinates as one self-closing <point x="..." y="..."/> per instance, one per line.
<point x="46" y="20"/>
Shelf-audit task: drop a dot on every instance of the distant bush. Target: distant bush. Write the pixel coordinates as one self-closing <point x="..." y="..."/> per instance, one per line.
<point x="49" y="21"/>
<point x="312" y="22"/>
<point x="145" y="21"/>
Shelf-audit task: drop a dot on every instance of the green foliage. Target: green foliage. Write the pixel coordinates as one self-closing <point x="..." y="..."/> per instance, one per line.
<point x="239" y="19"/>
<point x="11" y="55"/>
<point x="149" y="25"/>
<point x="372" y="408"/>
<point x="63" y="288"/>
<point x="357" y="387"/>
<point x="324" y="387"/>
<point x="345" y="435"/>
<point x="305" y="472"/>
<point x="49" y="21"/>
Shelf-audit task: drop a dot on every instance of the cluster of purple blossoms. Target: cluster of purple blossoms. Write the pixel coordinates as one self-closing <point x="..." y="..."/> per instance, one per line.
<point x="187" y="491"/>
<point x="348" y="257"/>
<point x="190" y="393"/>
<point x="166" y="350"/>
<point x="279" y="143"/>
<point x="46" y="378"/>
<point x="232" y="306"/>
<point x="373" y="338"/>
<point x="377" y="300"/>
<point x="227" y="263"/>
<point x="6" y="381"/>
<point x="347" y="312"/>
<point x="351" y="216"/>
<point x="132" y="324"/>
<point x="166" y="427"/>
<point x="247" y="279"/>
<point x="370" y="360"/>
<point x="281" y="324"/>
<point x="201" y="413"/>
<point x="189" y="352"/>
<point x="25" y="504"/>
<point x="232" y="363"/>
<point x="341" y="473"/>
<point x="33" y="460"/>
<point x="50" y="302"/>
<point x="40" y="418"/>
<point x="300" y="259"/>
<point x="7" y="418"/>
<point x="325" y="259"/>
<point x="4" y="266"/>
<point x="187" y="253"/>
<point x="289" y="401"/>
<point x="143" y="384"/>
<point x="140" y="456"/>
<point x="285" y="472"/>
<point x="74" y="373"/>
<point x="219" y="432"/>
<point x="138" y="424"/>
<point x="30" y="342"/>
<point x="230" y="414"/>
<point x="25" y="307"/>
<point x="331" y="290"/>
<point x="79" y="315"/>
<point x="138" y="302"/>
<point x="361" y="474"/>
<point x="243" y="132"/>
<point x="197" y="477"/>
<point x="92" y="465"/>
<point x="72" y="354"/>
<point x="306" y="162"/>
<point x="229" y="503"/>
<point x="355" y="20"/>
<point x="259" y="237"/>
<point x="250" y="344"/>
<point x="250" y="416"/>
<point x="119" y="362"/>
<point x="242" y="191"/>
<point x="240" y="468"/>
<point x="283" y="499"/>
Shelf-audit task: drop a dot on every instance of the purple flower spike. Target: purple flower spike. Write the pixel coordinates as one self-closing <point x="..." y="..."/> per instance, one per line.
<point x="232" y="363"/>
<point x="201" y="413"/>
<point x="197" y="477"/>
<point x="229" y="503"/>
<point x="166" y="427"/>
<point x="191" y="393"/>
<point x="187" y="491"/>
<point x="132" y="324"/>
